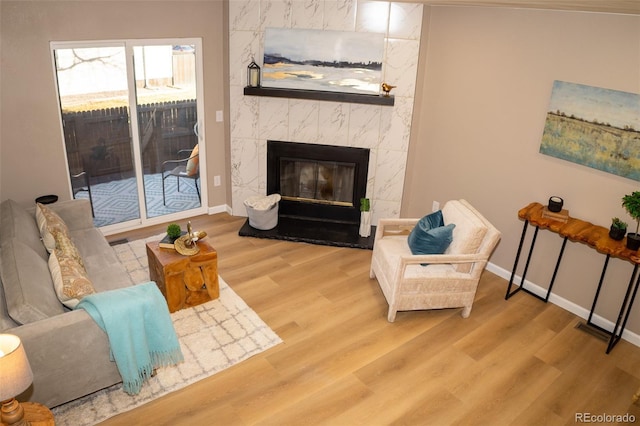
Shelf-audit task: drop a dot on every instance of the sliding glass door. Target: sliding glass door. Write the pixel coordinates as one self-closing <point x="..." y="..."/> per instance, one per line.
<point x="130" y="118"/>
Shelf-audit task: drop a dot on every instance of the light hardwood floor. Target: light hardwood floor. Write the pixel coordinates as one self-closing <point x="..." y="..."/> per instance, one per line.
<point x="516" y="362"/>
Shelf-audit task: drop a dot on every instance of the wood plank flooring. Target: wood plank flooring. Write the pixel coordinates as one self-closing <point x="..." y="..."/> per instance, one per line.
<point x="516" y="362"/>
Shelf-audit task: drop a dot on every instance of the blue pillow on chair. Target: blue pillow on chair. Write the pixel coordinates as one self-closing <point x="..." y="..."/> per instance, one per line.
<point x="430" y="235"/>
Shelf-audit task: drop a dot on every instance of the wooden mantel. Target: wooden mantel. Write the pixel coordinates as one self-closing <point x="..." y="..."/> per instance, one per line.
<point x="320" y="95"/>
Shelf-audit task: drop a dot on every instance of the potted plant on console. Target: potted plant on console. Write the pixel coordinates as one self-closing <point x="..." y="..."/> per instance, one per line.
<point x="631" y="202"/>
<point x="618" y="229"/>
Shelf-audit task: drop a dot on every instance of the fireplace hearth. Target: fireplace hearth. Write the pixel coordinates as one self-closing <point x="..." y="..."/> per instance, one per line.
<point x="321" y="187"/>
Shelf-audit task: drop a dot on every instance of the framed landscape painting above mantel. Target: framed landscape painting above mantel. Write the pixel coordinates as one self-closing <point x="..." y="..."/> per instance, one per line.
<point x="334" y="61"/>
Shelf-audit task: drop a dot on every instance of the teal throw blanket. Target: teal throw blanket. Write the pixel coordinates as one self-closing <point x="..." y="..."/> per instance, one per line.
<point x="138" y="325"/>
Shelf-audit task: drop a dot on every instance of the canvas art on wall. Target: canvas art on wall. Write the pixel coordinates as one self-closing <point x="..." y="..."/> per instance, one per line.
<point x="595" y="127"/>
<point x="335" y="61"/>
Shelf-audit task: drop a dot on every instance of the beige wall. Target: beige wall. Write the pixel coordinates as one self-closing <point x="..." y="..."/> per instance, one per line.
<point x="486" y="78"/>
<point x="31" y="151"/>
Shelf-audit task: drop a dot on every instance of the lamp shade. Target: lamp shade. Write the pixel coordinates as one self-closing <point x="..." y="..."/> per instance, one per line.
<point x="15" y="371"/>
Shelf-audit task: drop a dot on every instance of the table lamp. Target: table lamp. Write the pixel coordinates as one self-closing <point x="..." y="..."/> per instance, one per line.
<point x="15" y="378"/>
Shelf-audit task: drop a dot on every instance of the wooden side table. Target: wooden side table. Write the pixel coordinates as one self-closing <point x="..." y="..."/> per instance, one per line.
<point x="184" y="281"/>
<point x="37" y="414"/>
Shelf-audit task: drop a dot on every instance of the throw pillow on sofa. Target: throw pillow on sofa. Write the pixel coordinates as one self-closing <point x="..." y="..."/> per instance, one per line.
<point x="49" y="224"/>
<point x="69" y="275"/>
<point x="67" y="247"/>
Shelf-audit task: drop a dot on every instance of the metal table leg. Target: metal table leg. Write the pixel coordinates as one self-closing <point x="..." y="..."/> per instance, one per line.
<point x="595" y="299"/>
<point x="627" y="303"/>
<point x="555" y="271"/>
<point x="515" y="264"/>
<point x="526" y="267"/>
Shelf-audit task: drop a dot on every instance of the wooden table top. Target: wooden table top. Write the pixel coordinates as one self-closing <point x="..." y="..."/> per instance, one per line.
<point x="167" y="256"/>
<point x="580" y="231"/>
<point x="37" y="414"/>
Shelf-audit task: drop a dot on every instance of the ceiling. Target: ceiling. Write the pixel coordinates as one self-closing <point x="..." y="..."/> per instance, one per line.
<point x="631" y="7"/>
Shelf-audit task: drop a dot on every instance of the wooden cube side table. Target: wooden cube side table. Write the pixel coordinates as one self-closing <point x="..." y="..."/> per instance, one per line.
<point x="184" y="281"/>
<point x="37" y="414"/>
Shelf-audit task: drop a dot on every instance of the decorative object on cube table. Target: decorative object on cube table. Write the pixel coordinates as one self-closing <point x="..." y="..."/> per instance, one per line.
<point x="173" y="233"/>
<point x="173" y="230"/>
<point x="253" y="74"/>
<point x="631" y="203"/>
<point x="618" y="229"/>
<point x="555" y="204"/>
<point x="186" y="244"/>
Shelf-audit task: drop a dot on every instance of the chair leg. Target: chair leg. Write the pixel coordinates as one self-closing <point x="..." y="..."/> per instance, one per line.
<point x="391" y="316"/>
<point x="93" y="213"/>
<point x="195" y="181"/>
<point x="86" y="178"/>
<point x="466" y="311"/>
<point x="164" y="198"/>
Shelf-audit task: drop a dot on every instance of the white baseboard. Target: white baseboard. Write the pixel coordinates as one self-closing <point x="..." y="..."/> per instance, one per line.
<point x="222" y="208"/>
<point x="565" y="304"/>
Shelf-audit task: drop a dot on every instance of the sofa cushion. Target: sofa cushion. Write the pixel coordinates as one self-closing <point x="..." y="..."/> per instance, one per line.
<point x="17" y="222"/>
<point x="5" y="320"/>
<point x="49" y="224"/>
<point x="468" y="233"/>
<point x="27" y="283"/>
<point x="391" y="248"/>
<point x="105" y="270"/>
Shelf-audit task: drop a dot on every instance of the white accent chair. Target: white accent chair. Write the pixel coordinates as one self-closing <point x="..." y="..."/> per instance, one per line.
<point x="449" y="280"/>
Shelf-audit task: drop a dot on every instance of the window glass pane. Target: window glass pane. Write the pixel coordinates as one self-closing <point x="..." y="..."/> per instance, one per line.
<point x="94" y="100"/>
<point x="167" y="119"/>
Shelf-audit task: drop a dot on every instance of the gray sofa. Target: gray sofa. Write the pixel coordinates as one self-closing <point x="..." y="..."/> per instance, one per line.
<point x="68" y="352"/>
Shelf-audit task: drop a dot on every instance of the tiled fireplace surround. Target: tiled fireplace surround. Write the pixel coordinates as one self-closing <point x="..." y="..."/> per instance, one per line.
<point x="385" y="130"/>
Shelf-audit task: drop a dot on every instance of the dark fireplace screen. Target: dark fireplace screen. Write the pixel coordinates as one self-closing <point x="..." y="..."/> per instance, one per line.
<point x="326" y="182"/>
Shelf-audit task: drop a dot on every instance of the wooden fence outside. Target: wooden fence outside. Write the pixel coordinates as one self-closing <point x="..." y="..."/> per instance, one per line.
<point x="99" y="141"/>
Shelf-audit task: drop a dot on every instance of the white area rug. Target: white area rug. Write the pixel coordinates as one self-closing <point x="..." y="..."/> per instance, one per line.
<point x="213" y="336"/>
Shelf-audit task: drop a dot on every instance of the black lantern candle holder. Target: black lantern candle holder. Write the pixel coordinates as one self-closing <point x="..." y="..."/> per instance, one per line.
<point x="253" y="74"/>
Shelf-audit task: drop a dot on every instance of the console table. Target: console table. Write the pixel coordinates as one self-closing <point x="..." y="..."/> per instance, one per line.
<point x="596" y="237"/>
